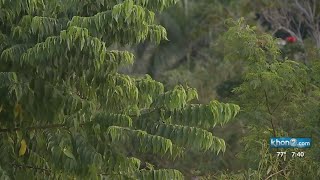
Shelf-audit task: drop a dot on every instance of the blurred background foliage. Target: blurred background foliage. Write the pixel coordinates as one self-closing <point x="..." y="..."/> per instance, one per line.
<point x="196" y="55"/>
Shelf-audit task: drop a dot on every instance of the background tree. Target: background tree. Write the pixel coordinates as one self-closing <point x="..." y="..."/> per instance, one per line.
<point x="299" y="19"/>
<point x="280" y="98"/>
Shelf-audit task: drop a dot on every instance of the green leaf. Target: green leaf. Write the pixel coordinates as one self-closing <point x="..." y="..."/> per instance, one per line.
<point x="68" y="153"/>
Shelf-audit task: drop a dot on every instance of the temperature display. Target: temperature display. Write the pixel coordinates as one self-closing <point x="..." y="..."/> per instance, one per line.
<point x="283" y="154"/>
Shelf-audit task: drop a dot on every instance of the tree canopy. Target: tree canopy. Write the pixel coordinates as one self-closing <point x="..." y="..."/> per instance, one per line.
<point x="67" y="112"/>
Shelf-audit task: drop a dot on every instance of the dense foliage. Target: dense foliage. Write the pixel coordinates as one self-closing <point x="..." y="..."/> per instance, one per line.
<point x="65" y="110"/>
<point x="280" y="98"/>
<point x="247" y="66"/>
<point x="76" y="103"/>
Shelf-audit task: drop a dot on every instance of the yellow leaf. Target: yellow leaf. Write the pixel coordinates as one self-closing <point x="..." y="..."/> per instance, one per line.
<point x="17" y="110"/>
<point x="23" y="147"/>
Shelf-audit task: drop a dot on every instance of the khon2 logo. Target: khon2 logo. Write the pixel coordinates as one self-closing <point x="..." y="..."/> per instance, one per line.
<point x="287" y="142"/>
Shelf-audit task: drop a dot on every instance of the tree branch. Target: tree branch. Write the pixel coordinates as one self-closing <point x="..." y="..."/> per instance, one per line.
<point x="299" y="6"/>
<point x="274" y="174"/>
<point x="268" y="107"/>
<point x="47" y="171"/>
<point x="280" y="102"/>
<point x="52" y="126"/>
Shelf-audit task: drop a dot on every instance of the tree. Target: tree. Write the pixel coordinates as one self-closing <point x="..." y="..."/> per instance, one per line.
<point x="279" y="98"/>
<point x="65" y="110"/>
<point x="297" y="18"/>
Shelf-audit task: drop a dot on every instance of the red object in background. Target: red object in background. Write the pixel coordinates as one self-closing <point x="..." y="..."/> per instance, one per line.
<point x="291" y="39"/>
